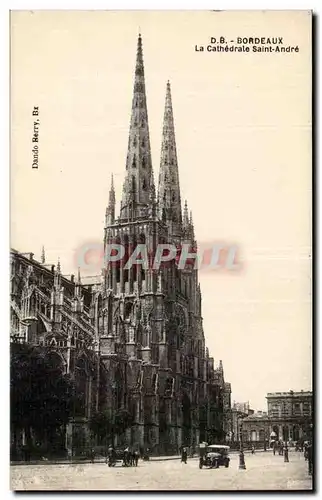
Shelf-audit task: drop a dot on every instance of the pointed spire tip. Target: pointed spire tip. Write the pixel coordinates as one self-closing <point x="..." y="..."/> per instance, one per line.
<point x="43" y="257"/>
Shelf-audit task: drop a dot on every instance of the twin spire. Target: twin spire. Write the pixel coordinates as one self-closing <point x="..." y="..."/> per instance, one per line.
<point x="169" y="200"/>
<point x="139" y="177"/>
<point x="138" y="197"/>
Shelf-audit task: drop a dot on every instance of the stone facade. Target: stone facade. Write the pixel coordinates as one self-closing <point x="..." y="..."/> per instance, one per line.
<point x="289" y="418"/>
<point x="234" y="416"/>
<point x="133" y="339"/>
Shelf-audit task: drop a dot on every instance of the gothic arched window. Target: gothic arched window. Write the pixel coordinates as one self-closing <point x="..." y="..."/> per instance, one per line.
<point x="180" y="319"/>
<point x="127" y="310"/>
<point x="133" y="184"/>
<point x="134" y="162"/>
<point x="143" y="162"/>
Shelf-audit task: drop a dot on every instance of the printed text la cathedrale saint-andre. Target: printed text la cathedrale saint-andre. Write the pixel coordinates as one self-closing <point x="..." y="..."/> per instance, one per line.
<point x="273" y="44"/>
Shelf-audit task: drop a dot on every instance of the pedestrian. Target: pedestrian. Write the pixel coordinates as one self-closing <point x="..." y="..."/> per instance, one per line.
<point x="286" y="452"/>
<point x="136" y="458"/>
<point x="306" y="454"/>
<point x="92" y="455"/>
<point x="310" y="457"/>
<point x="126" y="457"/>
<point x="253" y="449"/>
<point x="109" y="455"/>
<point x="274" y="448"/>
<point x="200" y="462"/>
<point x="184" y="455"/>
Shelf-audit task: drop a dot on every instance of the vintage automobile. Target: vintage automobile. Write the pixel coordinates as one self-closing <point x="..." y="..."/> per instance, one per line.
<point x="215" y="456"/>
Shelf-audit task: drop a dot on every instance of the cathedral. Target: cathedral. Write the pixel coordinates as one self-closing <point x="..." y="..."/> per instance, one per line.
<point x="132" y="339"/>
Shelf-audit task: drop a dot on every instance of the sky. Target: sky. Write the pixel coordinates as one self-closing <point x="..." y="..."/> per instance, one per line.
<point x="243" y="134"/>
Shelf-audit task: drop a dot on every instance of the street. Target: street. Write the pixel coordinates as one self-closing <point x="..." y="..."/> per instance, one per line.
<point x="264" y="472"/>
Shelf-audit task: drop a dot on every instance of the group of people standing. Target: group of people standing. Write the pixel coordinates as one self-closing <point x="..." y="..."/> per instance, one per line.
<point x="278" y="446"/>
<point x="282" y="449"/>
<point x="129" y="457"/>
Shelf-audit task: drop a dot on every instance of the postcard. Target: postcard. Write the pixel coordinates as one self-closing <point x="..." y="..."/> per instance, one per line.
<point x="160" y="279"/>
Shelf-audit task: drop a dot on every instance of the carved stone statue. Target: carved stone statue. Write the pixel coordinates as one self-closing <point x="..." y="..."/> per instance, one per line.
<point x="146" y="337"/>
<point x="131" y="333"/>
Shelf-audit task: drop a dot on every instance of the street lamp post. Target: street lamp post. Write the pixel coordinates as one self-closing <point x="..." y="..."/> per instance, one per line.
<point x="241" y="450"/>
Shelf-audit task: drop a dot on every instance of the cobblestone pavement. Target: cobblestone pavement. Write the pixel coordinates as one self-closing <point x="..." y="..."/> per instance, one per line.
<point x="264" y="472"/>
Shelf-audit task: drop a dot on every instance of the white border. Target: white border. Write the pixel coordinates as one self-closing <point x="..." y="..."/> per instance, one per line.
<point x="5" y="6"/>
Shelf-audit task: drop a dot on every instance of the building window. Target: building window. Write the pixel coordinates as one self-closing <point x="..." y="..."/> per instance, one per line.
<point x="253" y="436"/>
<point x="297" y="409"/>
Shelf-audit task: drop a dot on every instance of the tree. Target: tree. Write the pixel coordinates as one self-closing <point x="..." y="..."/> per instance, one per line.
<point x="123" y="420"/>
<point x="41" y="396"/>
<point x="101" y="425"/>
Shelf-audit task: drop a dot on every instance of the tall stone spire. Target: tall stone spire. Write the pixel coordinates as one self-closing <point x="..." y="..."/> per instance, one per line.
<point x="139" y="177"/>
<point x="192" y="229"/>
<point x="169" y="198"/>
<point x="43" y="256"/>
<point x="185" y="215"/>
<point x="79" y="281"/>
<point x="110" y="209"/>
<point x="78" y="284"/>
<point x="57" y="275"/>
